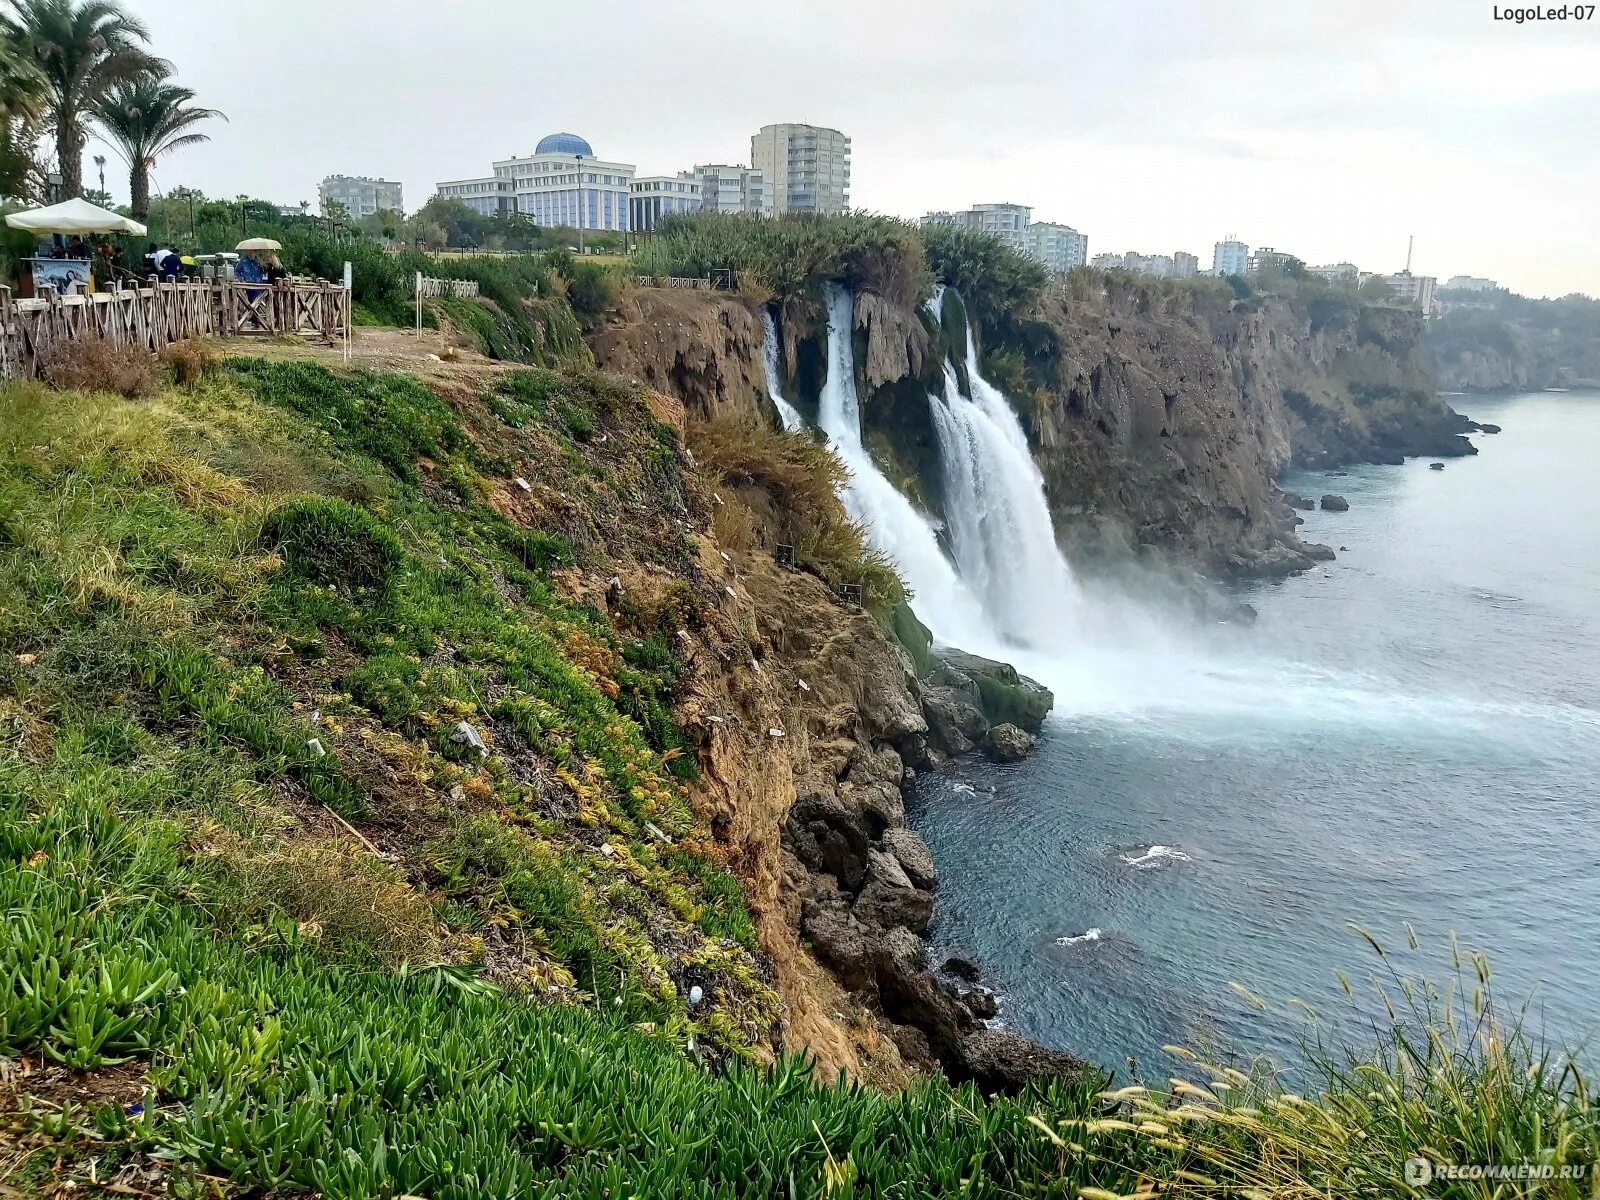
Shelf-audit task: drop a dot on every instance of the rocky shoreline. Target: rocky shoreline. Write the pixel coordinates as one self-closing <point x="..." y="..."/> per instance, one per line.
<point x="869" y="882"/>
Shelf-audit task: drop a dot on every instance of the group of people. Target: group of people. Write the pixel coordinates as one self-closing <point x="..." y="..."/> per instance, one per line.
<point x="252" y="266"/>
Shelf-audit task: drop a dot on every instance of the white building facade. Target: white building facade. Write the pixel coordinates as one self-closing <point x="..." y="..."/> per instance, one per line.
<point x="1059" y="247"/>
<point x="1008" y="222"/>
<point x="359" y="195"/>
<point x="1230" y="257"/>
<point x="1415" y="290"/>
<point x="1344" y="272"/>
<point x="733" y="188"/>
<point x="655" y="196"/>
<point x="806" y="166"/>
<point x="560" y="183"/>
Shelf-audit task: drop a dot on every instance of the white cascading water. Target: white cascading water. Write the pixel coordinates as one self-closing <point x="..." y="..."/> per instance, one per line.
<point x="1011" y="595"/>
<point x="943" y="602"/>
<point x="1000" y="526"/>
<point x="787" y="413"/>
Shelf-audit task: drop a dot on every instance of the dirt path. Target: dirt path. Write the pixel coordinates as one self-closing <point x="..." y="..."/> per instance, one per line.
<point x="381" y="349"/>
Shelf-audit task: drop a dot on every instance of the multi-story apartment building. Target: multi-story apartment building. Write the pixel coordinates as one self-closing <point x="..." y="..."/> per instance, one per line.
<point x="807" y="167"/>
<point x="735" y="188"/>
<point x="560" y="183"/>
<point x="1230" y="257"/>
<point x="1008" y="222"/>
<point x="1106" y="262"/>
<point x="1415" y="290"/>
<point x="1470" y="283"/>
<point x="1058" y="247"/>
<point x="1265" y="258"/>
<point x="1160" y="265"/>
<point x="1185" y="265"/>
<point x="655" y="196"/>
<point x="358" y="195"/>
<point x="1344" y="272"/>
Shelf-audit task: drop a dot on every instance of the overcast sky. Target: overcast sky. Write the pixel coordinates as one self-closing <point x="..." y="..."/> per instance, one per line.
<point x="1331" y="130"/>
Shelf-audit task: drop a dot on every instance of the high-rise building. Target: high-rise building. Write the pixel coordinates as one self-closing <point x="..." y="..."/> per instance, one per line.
<point x="735" y="188"/>
<point x="560" y="183"/>
<point x="1184" y="264"/>
<point x="1058" y="247"/>
<point x="358" y="195"/>
<point x="1470" y="283"/>
<point x="1107" y="262"/>
<point x="1229" y="257"/>
<point x="655" y="196"/>
<point x="807" y="167"/>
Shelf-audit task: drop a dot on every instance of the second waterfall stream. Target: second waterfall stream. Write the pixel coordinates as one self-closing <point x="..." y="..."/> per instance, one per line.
<point x="1009" y="585"/>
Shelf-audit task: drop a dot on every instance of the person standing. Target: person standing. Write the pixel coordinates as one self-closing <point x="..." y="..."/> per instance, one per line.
<point x="248" y="268"/>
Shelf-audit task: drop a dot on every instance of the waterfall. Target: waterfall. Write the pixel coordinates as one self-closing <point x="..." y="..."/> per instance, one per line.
<point x="1000" y="526"/>
<point x="787" y="413"/>
<point x="942" y="600"/>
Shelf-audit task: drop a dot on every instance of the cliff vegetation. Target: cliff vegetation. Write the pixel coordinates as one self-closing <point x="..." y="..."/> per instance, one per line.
<point x="1498" y="341"/>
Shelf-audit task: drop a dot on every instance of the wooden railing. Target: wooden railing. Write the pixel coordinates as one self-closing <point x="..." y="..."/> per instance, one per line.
<point x="460" y="289"/>
<point x="155" y="315"/>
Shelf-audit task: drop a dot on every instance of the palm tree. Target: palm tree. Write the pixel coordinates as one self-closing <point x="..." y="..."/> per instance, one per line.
<point x="84" y="48"/>
<point x="22" y="101"/>
<point x="144" y="120"/>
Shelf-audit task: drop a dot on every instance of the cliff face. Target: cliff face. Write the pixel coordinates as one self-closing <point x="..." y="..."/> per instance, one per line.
<point x="703" y="348"/>
<point x="1555" y="344"/>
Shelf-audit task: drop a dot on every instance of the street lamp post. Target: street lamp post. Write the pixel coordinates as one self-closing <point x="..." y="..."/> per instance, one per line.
<point x="100" y="162"/>
<point x="580" y="203"/>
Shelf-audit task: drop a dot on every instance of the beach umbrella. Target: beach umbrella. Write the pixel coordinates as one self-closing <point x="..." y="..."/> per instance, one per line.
<point x="73" y="216"/>
<point x="259" y="244"/>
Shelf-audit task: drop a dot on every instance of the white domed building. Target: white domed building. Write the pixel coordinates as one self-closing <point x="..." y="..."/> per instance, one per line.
<point x="560" y="183"/>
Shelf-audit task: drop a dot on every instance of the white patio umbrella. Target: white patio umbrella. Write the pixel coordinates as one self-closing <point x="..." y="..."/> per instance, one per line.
<point x="73" y="216"/>
<point x="259" y="244"/>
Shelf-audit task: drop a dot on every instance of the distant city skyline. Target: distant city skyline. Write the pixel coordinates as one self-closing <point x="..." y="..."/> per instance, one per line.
<point x="1426" y="119"/>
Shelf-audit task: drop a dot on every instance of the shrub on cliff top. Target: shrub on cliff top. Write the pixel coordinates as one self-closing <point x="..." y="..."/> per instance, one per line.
<point x="331" y="541"/>
<point x="94" y="364"/>
<point x="996" y="280"/>
<point x="789" y="485"/>
<point x="795" y="254"/>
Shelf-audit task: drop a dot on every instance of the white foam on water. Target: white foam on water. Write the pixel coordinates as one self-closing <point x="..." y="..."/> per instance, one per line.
<point x="1153" y="856"/>
<point x="1088" y="935"/>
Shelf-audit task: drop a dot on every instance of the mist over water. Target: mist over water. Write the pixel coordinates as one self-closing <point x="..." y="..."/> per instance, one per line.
<point x="1411" y="733"/>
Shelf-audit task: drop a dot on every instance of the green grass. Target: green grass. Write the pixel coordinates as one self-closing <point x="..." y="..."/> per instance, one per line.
<point x="331" y="645"/>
